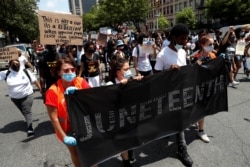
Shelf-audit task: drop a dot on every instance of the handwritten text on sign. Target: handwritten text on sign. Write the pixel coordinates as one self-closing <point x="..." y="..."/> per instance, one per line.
<point x="56" y="28"/>
<point x="7" y="54"/>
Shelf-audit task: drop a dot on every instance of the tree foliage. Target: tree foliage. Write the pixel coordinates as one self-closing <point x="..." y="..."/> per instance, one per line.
<point x="229" y="11"/>
<point x="18" y="18"/>
<point x="186" y="16"/>
<point x="115" y="12"/>
<point x="163" y="22"/>
<point x="90" y="20"/>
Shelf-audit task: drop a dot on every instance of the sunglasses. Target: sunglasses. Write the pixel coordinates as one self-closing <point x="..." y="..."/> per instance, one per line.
<point x="68" y="70"/>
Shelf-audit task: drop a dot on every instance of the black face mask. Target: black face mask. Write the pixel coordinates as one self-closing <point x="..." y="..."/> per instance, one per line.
<point x="91" y="50"/>
<point x="15" y="67"/>
<point x="232" y="39"/>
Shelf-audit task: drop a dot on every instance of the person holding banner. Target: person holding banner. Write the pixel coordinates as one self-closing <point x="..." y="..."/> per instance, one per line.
<point x="206" y="43"/>
<point x="65" y="72"/>
<point x="91" y="65"/>
<point x="171" y="58"/>
<point x="121" y="74"/>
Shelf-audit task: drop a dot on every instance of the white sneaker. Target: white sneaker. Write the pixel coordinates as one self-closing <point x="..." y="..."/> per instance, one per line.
<point x="234" y="83"/>
<point x="236" y="80"/>
<point x="203" y="136"/>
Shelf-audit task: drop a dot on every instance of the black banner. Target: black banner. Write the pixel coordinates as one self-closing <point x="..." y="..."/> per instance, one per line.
<point x="108" y="120"/>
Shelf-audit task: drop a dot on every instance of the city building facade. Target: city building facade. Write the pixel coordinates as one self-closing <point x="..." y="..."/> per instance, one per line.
<point x="76" y="7"/>
<point x="166" y="8"/>
<point x="169" y="8"/>
<point x="79" y="7"/>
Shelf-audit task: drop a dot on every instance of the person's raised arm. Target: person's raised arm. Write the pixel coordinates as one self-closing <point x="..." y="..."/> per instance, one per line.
<point x="225" y="39"/>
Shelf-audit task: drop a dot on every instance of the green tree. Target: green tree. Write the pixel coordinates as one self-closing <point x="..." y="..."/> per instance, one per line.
<point x="186" y="16"/>
<point x="18" y="18"/>
<point x="116" y="12"/>
<point x="228" y="11"/>
<point x="90" y="20"/>
<point x="163" y="22"/>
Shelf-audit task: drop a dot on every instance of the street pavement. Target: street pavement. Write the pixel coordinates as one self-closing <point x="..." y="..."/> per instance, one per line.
<point x="229" y="133"/>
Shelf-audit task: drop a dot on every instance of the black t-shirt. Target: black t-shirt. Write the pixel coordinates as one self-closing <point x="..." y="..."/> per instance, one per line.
<point x="222" y="48"/>
<point x="91" y="66"/>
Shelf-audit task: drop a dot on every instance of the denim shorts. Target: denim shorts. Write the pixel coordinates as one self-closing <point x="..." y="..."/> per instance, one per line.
<point x="238" y="58"/>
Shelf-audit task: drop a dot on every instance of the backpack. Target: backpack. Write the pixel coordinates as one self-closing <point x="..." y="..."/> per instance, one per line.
<point x="24" y="70"/>
<point x="138" y="51"/>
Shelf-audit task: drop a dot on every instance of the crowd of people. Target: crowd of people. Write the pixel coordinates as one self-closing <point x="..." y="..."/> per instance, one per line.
<point x="63" y="69"/>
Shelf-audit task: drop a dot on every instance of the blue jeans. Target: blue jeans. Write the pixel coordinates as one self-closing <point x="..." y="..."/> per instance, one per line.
<point x="244" y="62"/>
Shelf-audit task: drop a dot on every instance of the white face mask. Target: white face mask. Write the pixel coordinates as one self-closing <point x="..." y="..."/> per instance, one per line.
<point x="177" y="46"/>
<point x="208" y="48"/>
<point x="121" y="47"/>
<point x="127" y="74"/>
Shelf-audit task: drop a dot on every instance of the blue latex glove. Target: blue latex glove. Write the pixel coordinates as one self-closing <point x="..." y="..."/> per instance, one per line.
<point x="70" y="141"/>
<point x="70" y="90"/>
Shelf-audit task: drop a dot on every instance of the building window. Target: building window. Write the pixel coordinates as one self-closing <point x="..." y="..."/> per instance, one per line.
<point x="180" y="6"/>
<point x="176" y="8"/>
<point x="185" y="4"/>
<point x="191" y="3"/>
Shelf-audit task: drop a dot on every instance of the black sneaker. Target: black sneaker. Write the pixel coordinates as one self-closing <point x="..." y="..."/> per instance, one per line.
<point x="247" y="72"/>
<point x="30" y="131"/>
<point x="126" y="163"/>
<point x="184" y="156"/>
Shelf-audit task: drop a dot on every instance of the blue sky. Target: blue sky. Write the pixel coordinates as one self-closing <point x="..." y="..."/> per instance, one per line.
<point x="54" y="5"/>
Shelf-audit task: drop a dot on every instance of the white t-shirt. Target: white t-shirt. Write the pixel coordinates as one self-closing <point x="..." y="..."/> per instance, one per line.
<point x="194" y="38"/>
<point x="165" y="43"/>
<point x="168" y="57"/>
<point x="143" y="59"/>
<point x="18" y="83"/>
<point x="23" y="60"/>
<point x="79" y="56"/>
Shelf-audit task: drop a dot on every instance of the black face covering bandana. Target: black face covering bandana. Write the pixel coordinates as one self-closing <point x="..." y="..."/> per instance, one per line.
<point x="232" y="39"/>
<point x="91" y="50"/>
<point x="15" y="67"/>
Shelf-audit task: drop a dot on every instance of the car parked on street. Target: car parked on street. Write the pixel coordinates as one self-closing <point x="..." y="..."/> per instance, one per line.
<point x="25" y="51"/>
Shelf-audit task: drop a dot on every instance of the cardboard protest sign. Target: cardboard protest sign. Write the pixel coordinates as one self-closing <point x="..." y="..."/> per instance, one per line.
<point x="94" y="36"/>
<point x="103" y="30"/>
<point x="240" y="47"/>
<point x="102" y="39"/>
<point x="147" y="47"/>
<point x="57" y="28"/>
<point x="7" y="54"/>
